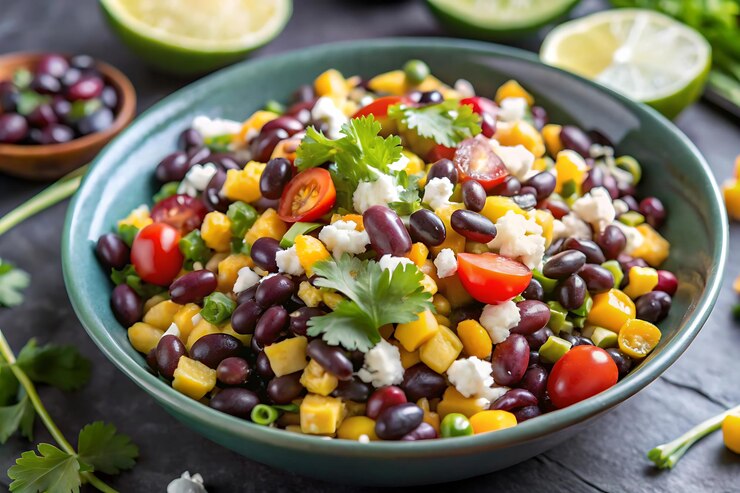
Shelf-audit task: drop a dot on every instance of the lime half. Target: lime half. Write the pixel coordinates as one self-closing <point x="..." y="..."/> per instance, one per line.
<point x="195" y="36"/>
<point x="491" y="19"/>
<point x="645" y="55"/>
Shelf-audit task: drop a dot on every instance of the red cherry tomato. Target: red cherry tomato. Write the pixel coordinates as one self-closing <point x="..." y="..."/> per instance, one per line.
<point x="156" y="254"/>
<point x="475" y="160"/>
<point x="379" y="107"/>
<point x="481" y="105"/>
<point x="308" y="196"/>
<point x="182" y="212"/>
<point x="492" y="278"/>
<point x="582" y="372"/>
<point x="441" y="152"/>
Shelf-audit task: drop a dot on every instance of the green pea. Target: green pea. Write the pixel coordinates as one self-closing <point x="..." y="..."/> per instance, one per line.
<point x="242" y="217"/>
<point x="217" y="307"/>
<point x="416" y="71"/>
<point x="455" y="425"/>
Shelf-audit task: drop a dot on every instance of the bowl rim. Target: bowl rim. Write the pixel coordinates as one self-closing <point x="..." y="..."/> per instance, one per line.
<point x="208" y="418"/>
<point x="123" y="117"/>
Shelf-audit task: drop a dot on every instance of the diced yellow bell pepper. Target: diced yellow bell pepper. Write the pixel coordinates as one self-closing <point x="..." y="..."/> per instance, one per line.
<point x="546" y="221"/>
<point x="321" y="415"/>
<point x="216" y="231"/>
<point x="454" y="402"/>
<point x="333" y="84"/>
<point x="193" y="378"/>
<point x="144" y="337"/>
<point x="317" y="380"/>
<point x="162" y="314"/>
<point x="356" y="218"/>
<point x="637" y="338"/>
<point x="228" y="270"/>
<point x="418" y="254"/>
<point x="494" y="420"/>
<point x="310" y="295"/>
<point x="253" y="124"/>
<point x="520" y="132"/>
<point x="415" y="164"/>
<point x="475" y="339"/>
<point x="357" y="426"/>
<point x="184" y="320"/>
<point x="453" y="240"/>
<point x="408" y="358"/>
<point x="642" y="280"/>
<point x="731" y="432"/>
<point x="512" y="89"/>
<point x="287" y="356"/>
<point x="244" y="184"/>
<point x="439" y="352"/>
<point x="310" y="250"/>
<point x="267" y="225"/>
<point x="611" y="310"/>
<point x="569" y="166"/>
<point x="497" y="206"/>
<point x="202" y="328"/>
<point x="452" y="289"/>
<point x="393" y="82"/>
<point x="551" y="136"/>
<point x="654" y="249"/>
<point x="415" y="333"/>
<point x="154" y="301"/>
<point x="731" y="192"/>
<point x="138" y="218"/>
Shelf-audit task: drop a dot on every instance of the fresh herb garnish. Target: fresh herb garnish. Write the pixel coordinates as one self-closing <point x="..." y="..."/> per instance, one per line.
<point x="12" y="282"/>
<point x="447" y="123"/>
<point x="129" y="276"/>
<point x="376" y="297"/>
<point x="60" y="366"/>
<point x="409" y="199"/>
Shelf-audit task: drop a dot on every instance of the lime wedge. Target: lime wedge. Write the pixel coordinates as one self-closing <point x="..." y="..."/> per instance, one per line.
<point x="195" y="36"/>
<point x="490" y="19"/>
<point x="643" y="54"/>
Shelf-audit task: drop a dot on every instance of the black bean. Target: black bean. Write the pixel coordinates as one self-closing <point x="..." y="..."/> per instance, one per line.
<point x="352" y="390"/>
<point x="395" y="422"/>
<point x="235" y="401"/>
<point x="623" y="362"/>
<point x="563" y="264"/>
<point x="276" y="175"/>
<point x="126" y="305"/>
<point x="508" y="188"/>
<point x="270" y="324"/>
<point x="594" y="178"/>
<point x="533" y="316"/>
<point x="189" y="139"/>
<point x="233" y="371"/>
<point x="263" y="253"/>
<point x="538" y="338"/>
<point x="244" y="317"/>
<point x="289" y="124"/>
<point x="426" y="227"/>
<point x="576" y="139"/>
<point x="597" y="278"/>
<point x="474" y="195"/>
<point x="514" y="399"/>
<point x="543" y="183"/>
<point x="571" y="292"/>
<point x="539" y="115"/>
<point x="653" y="210"/>
<point x="525" y="413"/>
<point x="424" y="431"/>
<point x="263" y="366"/>
<point x="421" y="381"/>
<point x="213" y="196"/>
<point x="653" y="306"/>
<point x="431" y="97"/>
<point x="510" y="360"/>
<point x="473" y="226"/>
<point x="284" y="389"/>
<point x="612" y="241"/>
<point x="299" y="318"/>
<point x="444" y="168"/>
<point x="112" y="252"/>
<point x="534" y="291"/>
<point x="193" y="286"/>
<point x="169" y="350"/>
<point x="387" y="233"/>
<point x="263" y="145"/>
<point x="331" y="358"/>
<point x="274" y="290"/>
<point x="212" y="349"/>
<point x="535" y="381"/>
<point x="589" y="248"/>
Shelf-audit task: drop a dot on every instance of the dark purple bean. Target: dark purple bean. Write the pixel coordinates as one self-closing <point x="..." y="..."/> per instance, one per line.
<point x="193" y="286"/>
<point x="304" y="93"/>
<point x="535" y="381"/>
<point x="213" y="196"/>
<point x="190" y="139"/>
<point x="653" y="307"/>
<point x="247" y="294"/>
<point x="534" y="291"/>
<point x="331" y="358"/>
<point x="474" y="195"/>
<point x="112" y="252"/>
<point x="151" y="361"/>
<point x="244" y="317"/>
<point x="82" y="62"/>
<point x="543" y="183"/>
<point x="224" y="161"/>
<point x="510" y="360"/>
<point x="571" y="292"/>
<point x="563" y="264"/>
<point x="426" y="227"/>
<point x="555" y="247"/>
<point x="46" y="84"/>
<point x="508" y="188"/>
<point x="13" y="128"/>
<point x="598" y="137"/>
<point x="557" y="208"/>
<point x="233" y="371"/>
<point x="358" y="359"/>
<point x="56" y="134"/>
<point x="42" y="116"/>
<point x="527" y="190"/>
<point x="169" y="350"/>
<point x="97" y="121"/>
<point x="525" y="413"/>
<point x="576" y="139"/>
<point x="299" y="318"/>
<point x="653" y="210"/>
<point x="382" y="399"/>
<point x="294" y="302"/>
<point x="88" y="87"/>
<point x="270" y="324"/>
<point x="276" y="175"/>
<point x="594" y="179"/>
<point x="352" y="390"/>
<point x="589" y="248"/>
<point x="387" y="233"/>
<point x="287" y="123"/>
<point x="612" y="241"/>
<point x="424" y="431"/>
<point x="526" y="201"/>
<point x="274" y="290"/>
<point x="631" y="203"/>
<point x="52" y="64"/>
<point x="573" y="340"/>
<point x="284" y="389"/>
<point x="173" y="167"/>
<point x="628" y="261"/>
<point x="9" y="98"/>
<point x="597" y="278"/>
<point x="198" y="155"/>
<point x="470" y="312"/>
<point x="235" y="401"/>
<point x="538" y="338"/>
<point x="534" y="358"/>
<point x="488" y="125"/>
<point x="126" y="305"/>
<point x="533" y="316"/>
<point x="301" y="111"/>
<point x="212" y="349"/>
<point x="395" y="422"/>
<point x="584" y="341"/>
<point x="539" y="116"/>
<point x="421" y="381"/>
<point x="263" y="145"/>
<point x="473" y="226"/>
<point x="263" y="366"/>
<point x="623" y="362"/>
<point x="626" y="189"/>
<point x="263" y="253"/>
<point x="444" y="168"/>
<point x="610" y="183"/>
<point x="514" y="399"/>
<point x="431" y="97"/>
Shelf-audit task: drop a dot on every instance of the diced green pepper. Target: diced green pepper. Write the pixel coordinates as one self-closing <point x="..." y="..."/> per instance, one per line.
<point x="569" y="189"/>
<point x="22" y="78"/>
<point x="217" y="307"/>
<point x="296" y="230"/>
<point x="557" y="316"/>
<point x="242" y="217"/>
<point x="578" y="322"/>
<point x="455" y="425"/>
<point x="83" y="108"/>
<point x="553" y="349"/>
<point x="128" y="275"/>
<point x="168" y="190"/>
<point x="616" y="270"/>
<point x="194" y="248"/>
<point x="219" y="143"/>
<point x="566" y="328"/>
<point x="604" y="338"/>
<point x="128" y="232"/>
<point x="632" y="218"/>
<point x="548" y="285"/>
<point x="240" y="246"/>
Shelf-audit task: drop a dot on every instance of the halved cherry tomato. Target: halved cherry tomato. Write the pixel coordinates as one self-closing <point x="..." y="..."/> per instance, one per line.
<point x="475" y="160"/>
<point x="441" y="152"/>
<point x="156" y="255"/>
<point x="308" y="196"/>
<point x="582" y="372"/>
<point x="182" y="212"/>
<point x="379" y="107"/>
<point x="481" y="105"/>
<point x="492" y="278"/>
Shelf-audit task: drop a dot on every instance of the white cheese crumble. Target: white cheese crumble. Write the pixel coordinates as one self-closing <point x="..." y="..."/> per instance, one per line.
<point x="379" y="192"/>
<point x="446" y="263"/>
<point x="464" y="88"/>
<point x="520" y="238"/>
<point x="437" y="192"/>
<point x="245" y="279"/>
<point x="382" y="365"/>
<point x="512" y="109"/>
<point x="575" y="227"/>
<point x="633" y="236"/>
<point x="595" y="208"/>
<point x="493" y="393"/>
<point x="287" y="262"/>
<point x="197" y="178"/>
<point x="499" y="319"/>
<point x="342" y="236"/>
<point x="517" y="159"/>
<point x="470" y="376"/>
<point x="187" y="484"/>
<point x="327" y="111"/>
<point x="620" y="207"/>
<point x="389" y="262"/>
<point x="172" y="330"/>
<point x="215" y="127"/>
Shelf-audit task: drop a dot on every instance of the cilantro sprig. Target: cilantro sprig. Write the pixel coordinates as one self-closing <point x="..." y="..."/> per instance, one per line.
<point x="376" y="297"/>
<point x="12" y="283"/>
<point x="447" y="123"/>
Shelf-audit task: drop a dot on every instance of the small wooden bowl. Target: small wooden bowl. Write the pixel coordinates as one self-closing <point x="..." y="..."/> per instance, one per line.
<point x="48" y="162"/>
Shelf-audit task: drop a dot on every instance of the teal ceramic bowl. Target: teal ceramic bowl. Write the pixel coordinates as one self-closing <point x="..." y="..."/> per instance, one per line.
<point x="122" y="178"/>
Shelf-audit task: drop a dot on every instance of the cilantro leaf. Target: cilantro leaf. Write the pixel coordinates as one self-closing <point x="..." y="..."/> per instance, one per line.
<point x="12" y="282"/>
<point x="447" y="123"/>
<point x="8" y="383"/>
<point x="100" y="446"/>
<point x="61" y="366"/>
<point x="52" y="471"/>
<point x="376" y="297"/>
<point x="409" y="199"/>
<point x="15" y="417"/>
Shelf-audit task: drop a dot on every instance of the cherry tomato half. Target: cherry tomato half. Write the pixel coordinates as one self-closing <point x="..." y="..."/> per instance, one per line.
<point x="379" y="107"/>
<point x="582" y="372"/>
<point x="156" y="254"/>
<point x="182" y="212"/>
<point x="308" y="196"/>
<point x="481" y="105"/>
<point x="475" y="160"/>
<point x="492" y="278"/>
<point x="441" y="152"/>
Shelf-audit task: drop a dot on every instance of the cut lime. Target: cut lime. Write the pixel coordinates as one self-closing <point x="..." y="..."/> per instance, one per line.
<point x="645" y="55"/>
<point x="195" y="36"/>
<point x="491" y="19"/>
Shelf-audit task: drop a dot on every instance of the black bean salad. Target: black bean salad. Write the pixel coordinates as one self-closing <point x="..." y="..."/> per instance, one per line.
<point x="392" y="259"/>
<point x="61" y="99"/>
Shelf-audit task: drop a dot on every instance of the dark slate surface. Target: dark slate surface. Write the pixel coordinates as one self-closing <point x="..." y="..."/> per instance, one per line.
<point x="609" y="457"/>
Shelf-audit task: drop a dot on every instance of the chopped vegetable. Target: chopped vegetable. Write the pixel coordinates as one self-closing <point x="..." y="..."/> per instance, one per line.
<point x="447" y="123"/>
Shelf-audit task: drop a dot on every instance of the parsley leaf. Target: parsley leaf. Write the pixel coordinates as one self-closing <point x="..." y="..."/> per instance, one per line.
<point x="15" y="417"/>
<point x="52" y="471"/>
<point x="105" y="450"/>
<point x="12" y="282"/>
<point x="447" y="123"/>
<point x="61" y="366"/>
<point x="373" y="301"/>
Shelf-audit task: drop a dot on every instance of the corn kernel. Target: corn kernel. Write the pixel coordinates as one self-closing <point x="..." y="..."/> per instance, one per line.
<point x="202" y="328"/>
<point x="441" y="305"/>
<point x="154" y="301"/>
<point x="310" y="295"/>
<point x="637" y="338"/>
<point x="415" y="333"/>
<point x="321" y="415"/>
<point x="244" y="184"/>
<point x="288" y="356"/>
<point x="393" y="82"/>
<point x="497" y="207"/>
<point x="317" y="380"/>
<point x="475" y="339"/>
<point x="427" y="282"/>
<point x="611" y="310"/>
<point x="551" y="136"/>
<point x="642" y="280"/>
<point x="138" y="218"/>
<point x="731" y="432"/>
<point x="309" y="251"/>
<point x="193" y="378"/>
<point x="486" y="421"/>
<point x="162" y="314"/>
<point x="357" y="426"/>
<point x="453" y="239"/>
<point x="267" y="225"/>
<point x="184" y="320"/>
<point x="440" y="351"/>
<point x="569" y="166"/>
<point x="216" y="231"/>
<point x="451" y="287"/>
<point x="144" y="337"/>
<point x="332" y="299"/>
<point x="512" y="89"/>
<point x="252" y="125"/>
<point x="415" y="164"/>
<point x="654" y="249"/>
<point x="418" y="254"/>
<point x="520" y="132"/>
<point x="454" y="402"/>
<point x="228" y="270"/>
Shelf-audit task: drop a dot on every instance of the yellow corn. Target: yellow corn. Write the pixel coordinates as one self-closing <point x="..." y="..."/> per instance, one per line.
<point x="228" y="270"/>
<point x="429" y="285"/>
<point x="545" y="219"/>
<point x="331" y="299"/>
<point x="475" y="339"/>
<point x="637" y="338"/>
<point x="654" y="249"/>
<point x="611" y="310"/>
<point x="415" y="333"/>
<point x="193" y="378"/>
<point x="244" y="184"/>
<point x="439" y="352"/>
<point x="269" y="225"/>
<point x="430" y="417"/>
<point x="162" y="314"/>
<point x="310" y="250"/>
<point x="408" y="358"/>
<point x="216" y="231"/>
<point x="551" y="136"/>
<point x="321" y="415"/>
<point x="310" y="295"/>
<point x="144" y="337"/>
<point x="317" y="380"/>
<point x="569" y="166"/>
<point x="512" y="89"/>
<point x="642" y="280"/>
<point x="139" y="218"/>
<point x="184" y="319"/>
<point x="154" y="301"/>
<point x="288" y="356"/>
<point x="415" y="164"/>
<point x="453" y="240"/>
<point x="357" y="426"/>
<point x="393" y="82"/>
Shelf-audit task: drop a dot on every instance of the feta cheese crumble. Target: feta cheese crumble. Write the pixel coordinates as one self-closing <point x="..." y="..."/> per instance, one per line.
<point x="382" y="365"/>
<point x="620" y="207"/>
<point x="389" y="262"/>
<point x="575" y="227"/>
<point x="197" y="178"/>
<point x="342" y="236"/>
<point x="379" y="192"/>
<point x="499" y="319"/>
<point x="519" y="237"/>
<point x="437" y="192"/>
<point x="633" y="236"/>
<point x="470" y="376"/>
<point x="595" y="208"/>
<point x="326" y="110"/>
<point x="245" y="279"/>
<point x="517" y="159"/>
<point x="287" y="262"/>
<point x="446" y="263"/>
<point x="401" y="164"/>
<point x="215" y="127"/>
<point x="512" y="109"/>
